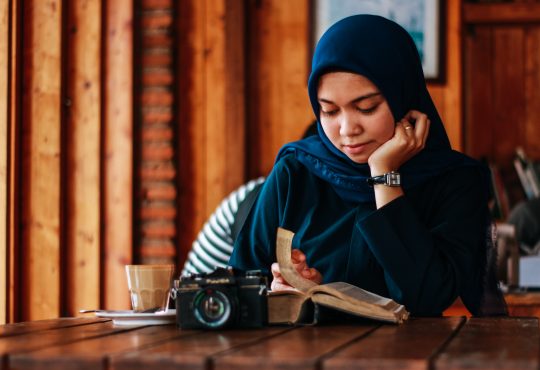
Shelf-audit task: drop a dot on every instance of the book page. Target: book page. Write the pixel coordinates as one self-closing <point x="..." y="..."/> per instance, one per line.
<point x="283" y="252"/>
<point x="353" y="293"/>
<point x="396" y="314"/>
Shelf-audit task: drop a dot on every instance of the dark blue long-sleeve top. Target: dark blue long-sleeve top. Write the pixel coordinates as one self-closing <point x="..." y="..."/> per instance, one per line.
<point x="422" y="249"/>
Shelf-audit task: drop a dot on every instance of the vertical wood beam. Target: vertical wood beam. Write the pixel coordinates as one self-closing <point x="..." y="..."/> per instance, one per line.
<point x="224" y="99"/>
<point x="4" y="141"/>
<point x="532" y="93"/>
<point x="479" y="85"/>
<point x="211" y="109"/>
<point x="448" y="97"/>
<point x="41" y="160"/>
<point x="82" y="145"/>
<point x="14" y="124"/>
<point x="278" y="62"/>
<point x="508" y="92"/>
<point x="191" y="118"/>
<point x="118" y="152"/>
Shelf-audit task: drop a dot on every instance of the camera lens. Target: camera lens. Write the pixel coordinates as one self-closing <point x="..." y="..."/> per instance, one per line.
<point x="212" y="307"/>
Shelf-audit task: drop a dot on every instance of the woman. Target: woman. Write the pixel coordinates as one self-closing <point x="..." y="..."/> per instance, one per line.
<point x="378" y="199"/>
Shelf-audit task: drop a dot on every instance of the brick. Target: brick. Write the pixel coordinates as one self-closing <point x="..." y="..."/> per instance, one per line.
<point x="157" y="115"/>
<point x="157" y="229"/>
<point x="157" y="4"/>
<point x="157" y="171"/>
<point x="159" y="19"/>
<point x="156" y="97"/>
<point x="157" y="151"/>
<point x="151" y="133"/>
<point x="157" y="39"/>
<point x="159" y="58"/>
<point x="160" y="211"/>
<point x="161" y="251"/>
<point x="158" y="191"/>
<point x="157" y="76"/>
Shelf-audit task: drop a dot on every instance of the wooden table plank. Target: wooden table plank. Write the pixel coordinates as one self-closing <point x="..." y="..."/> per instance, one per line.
<point x="31" y="326"/>
<point x="416" y="341"/>
<point x="496" y="343"/>
<point x="193" y="352"/>
<point x="14" y="345"/>
<point x="301" y="348"/>
<point x="93" y="353"/>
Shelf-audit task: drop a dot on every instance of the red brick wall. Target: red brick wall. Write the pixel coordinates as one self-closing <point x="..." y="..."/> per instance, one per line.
<point x="155" y="173"/>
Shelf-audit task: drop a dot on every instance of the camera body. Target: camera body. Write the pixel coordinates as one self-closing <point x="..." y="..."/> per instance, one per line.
<point x="221" y="299"/>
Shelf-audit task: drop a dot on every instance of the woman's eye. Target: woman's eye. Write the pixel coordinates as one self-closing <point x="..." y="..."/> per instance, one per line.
<point x="329" y="113"/>
<point x="367" y="110"/>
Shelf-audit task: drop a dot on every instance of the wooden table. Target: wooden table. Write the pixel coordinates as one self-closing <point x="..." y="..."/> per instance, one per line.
<point x="424" y="343"/>
<point x="519" y="304"/>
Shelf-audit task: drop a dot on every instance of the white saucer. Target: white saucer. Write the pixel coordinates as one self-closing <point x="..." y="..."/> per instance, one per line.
<point x="130" y="318"/>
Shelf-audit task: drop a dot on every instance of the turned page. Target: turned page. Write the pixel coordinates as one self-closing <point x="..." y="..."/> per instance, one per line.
<point x="283" y="253"/>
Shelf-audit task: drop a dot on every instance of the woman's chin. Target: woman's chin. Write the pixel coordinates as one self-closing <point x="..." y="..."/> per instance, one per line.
<point x="358" y="158"/>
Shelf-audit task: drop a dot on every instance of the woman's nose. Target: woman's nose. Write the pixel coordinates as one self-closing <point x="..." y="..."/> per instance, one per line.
<point x="350" y="125"/>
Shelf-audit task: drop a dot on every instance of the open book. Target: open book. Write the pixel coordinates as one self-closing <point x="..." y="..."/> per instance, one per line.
<point x="301" y="305"/>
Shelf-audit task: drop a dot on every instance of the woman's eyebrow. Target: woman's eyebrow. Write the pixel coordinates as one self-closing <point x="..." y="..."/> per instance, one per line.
<point x="356" y="100"/>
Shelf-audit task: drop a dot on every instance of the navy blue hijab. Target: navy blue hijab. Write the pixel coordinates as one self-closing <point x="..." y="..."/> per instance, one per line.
<point x="383" y="52"/>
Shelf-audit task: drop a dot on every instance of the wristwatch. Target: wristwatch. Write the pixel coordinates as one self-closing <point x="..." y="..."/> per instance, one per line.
<point x="392" y="178"/>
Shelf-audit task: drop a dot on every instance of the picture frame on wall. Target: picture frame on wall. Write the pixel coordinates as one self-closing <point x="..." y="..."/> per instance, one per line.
<point x="423" y="19"/>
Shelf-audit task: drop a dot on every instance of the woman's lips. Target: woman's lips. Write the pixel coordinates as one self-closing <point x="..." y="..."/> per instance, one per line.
<point x="354" y="148"/>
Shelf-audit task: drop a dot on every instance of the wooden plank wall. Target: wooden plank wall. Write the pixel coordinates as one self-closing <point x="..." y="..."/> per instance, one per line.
<point x="501" y="79"/>
<point x="4" y="101"/>
<point x="239" y="94"/>
<point x="210" y="110"/>
<point x="279" y="61"/>
<point x="40" y="177"/>
<point x="117" y="152"/>
<point x="81" y="165"/>
<point x="13" y="168"/>
<point x="448" y="96"/>
<point x="65" y="131"/>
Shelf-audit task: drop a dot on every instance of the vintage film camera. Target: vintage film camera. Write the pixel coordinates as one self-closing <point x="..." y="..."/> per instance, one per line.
<point x="221" y="299"/>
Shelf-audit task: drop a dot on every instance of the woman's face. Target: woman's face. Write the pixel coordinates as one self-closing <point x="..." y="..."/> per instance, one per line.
<point x="354" y="115"/>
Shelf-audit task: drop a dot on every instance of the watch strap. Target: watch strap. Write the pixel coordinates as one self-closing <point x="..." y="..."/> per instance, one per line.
<point x="392" y="178"/>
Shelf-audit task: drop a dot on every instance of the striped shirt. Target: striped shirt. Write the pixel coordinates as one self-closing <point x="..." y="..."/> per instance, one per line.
<point x="215" y="241"/>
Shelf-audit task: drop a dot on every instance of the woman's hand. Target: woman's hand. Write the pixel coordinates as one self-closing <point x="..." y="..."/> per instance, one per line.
<point x="408" y="140"/>
<point x="299" y="262"/>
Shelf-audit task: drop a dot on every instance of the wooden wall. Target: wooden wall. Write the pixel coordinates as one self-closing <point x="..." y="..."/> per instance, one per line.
<point x="448" y="96"/>
<point x="279" y="52"/>
<point x="4" y="141"/>
<point x="65" y="87"/>
<point x="502" y="75"/>
<point x="210" y="97"/>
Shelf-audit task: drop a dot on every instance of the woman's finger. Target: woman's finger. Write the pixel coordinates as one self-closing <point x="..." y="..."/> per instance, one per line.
<point x="298" y="259"/>
<point x="278" y="283"/>
<point x="275" y="270"/>
<point x="297" y="256"/>
<point x="421" y="126"/>
<point x="407" y="126"/>
<point x="300" y="266"/>
<point x="313" y="275"/>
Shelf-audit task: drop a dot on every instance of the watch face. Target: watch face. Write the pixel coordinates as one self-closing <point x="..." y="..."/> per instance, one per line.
<point x="393" y="179"/>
